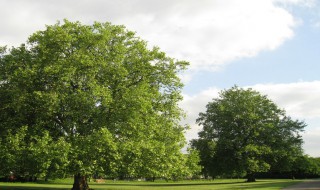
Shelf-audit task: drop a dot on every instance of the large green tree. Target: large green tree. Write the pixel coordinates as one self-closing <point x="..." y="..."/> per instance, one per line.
<point x="101" y="90"/>
<point x="249" y="133"/>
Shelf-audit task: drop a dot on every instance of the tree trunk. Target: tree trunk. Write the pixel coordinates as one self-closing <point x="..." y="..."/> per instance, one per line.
<point x="80" y="183"/>
<point x="251" y="177"/>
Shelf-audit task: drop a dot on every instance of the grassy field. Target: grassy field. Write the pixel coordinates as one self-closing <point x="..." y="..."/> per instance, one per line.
<point x="185" y="185"/>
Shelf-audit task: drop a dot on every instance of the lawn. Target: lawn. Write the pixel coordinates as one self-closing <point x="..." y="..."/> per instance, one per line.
<point x="184" y="185"/>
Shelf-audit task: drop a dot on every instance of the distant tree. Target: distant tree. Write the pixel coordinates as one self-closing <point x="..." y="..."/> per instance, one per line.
<point x="306" y="167"/>
<point x="99" y="89"/>
<point x="249" y="132"/>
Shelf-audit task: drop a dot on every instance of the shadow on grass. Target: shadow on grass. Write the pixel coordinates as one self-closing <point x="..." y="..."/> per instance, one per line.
<point x="265" y="184"/>
<point x="166" y="184"/>
<point x="31" y="188"/>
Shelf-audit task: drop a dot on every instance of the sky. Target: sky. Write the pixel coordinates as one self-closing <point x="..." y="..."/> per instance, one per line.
<point x="272" y="46"/>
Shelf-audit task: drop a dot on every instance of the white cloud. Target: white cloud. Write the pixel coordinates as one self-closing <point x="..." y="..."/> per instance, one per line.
<point x="208" y="33"/>
<point x="301" y="101"/>
<point x="212" y="33"/>
<point x="311" y="144"/>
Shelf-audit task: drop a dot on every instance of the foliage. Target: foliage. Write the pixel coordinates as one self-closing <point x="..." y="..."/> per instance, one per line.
<point x="192" y="162"/>
<point x="306" y="167"/>
<point x="206" y="154"/>
<point x="37" y="156"/>
<point x="248" y="132"/>
<point x="97" y="92"/>
<point x="97" y="152"/>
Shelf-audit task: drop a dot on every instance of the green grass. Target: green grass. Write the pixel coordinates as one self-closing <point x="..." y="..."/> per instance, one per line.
<point x="184" y="185"/>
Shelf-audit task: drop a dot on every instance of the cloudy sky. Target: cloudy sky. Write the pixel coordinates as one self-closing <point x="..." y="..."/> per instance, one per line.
<point x="272" y="46"/>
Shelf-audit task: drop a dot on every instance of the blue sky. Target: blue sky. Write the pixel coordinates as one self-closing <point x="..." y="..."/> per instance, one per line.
<point x="269" y="45"/>
<point x="295" y="60"/>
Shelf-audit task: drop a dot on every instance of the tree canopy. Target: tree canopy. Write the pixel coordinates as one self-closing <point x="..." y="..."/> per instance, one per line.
<point x="244" y="133"/>
<point x="98" y="91"/>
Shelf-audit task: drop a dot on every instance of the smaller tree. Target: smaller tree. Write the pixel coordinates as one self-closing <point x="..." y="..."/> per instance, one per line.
<point x="249" y="131"/>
